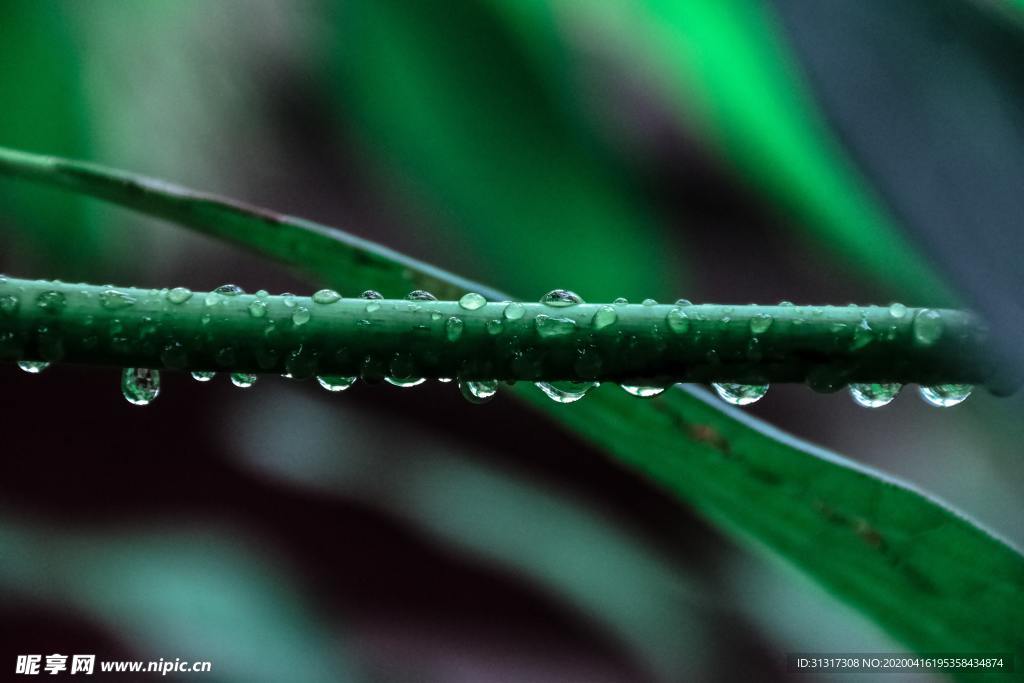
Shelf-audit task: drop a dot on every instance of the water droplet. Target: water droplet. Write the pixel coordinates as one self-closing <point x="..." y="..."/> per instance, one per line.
<point x="326" y="296"/>
<point x="444" y="380"/>
<point x="8" y="304"/>
<point x="740" y="394"/>
<point x="565" y="392"/>
<point x="335" y="383"/>
<point x="420" y="295"/>
<point x="897" y="310"/>
<point x="257" y="308"/>
<point x="51" y="301"/>
<point x="927" y="327"/>
<point x="402" y="372"/>
<point x="553" y="327"/>
<point x="288" y="299"/>
<point x="786" y="304"/>
<point x="642" y="391"/>
<point x="371" y="294"/>
<point x="140" y="386"/>
<point x="453" y="328"/>
<point x="372" y="307"/>
<point x="494" y="326"/>
<point x="243" y="380"/>
<point x="683" y="302"/>
<point x="300" y="316"/>
<point x="760" y="323"/>
<point x="33" y="367"/>
<point x="229" y="290"/>
<point x="179" y="295"/>
<point x="514" y="311"/>
<point x="472" y="301"/>
<point x="649" y="302"/>
<point x="560" y="298"/>
<point x="113" y="299"/>
<point x="203" y="375"/>
<point x="405" y="382"/>
<point x="480" y="391"/>
<point x="946" y="395"/>
<point x="874" y="395"/>
<point x="862" y="335"/>
<point x="620" y="301"/>
<point x="677" y="320"/>
<point x="604" y="317"/>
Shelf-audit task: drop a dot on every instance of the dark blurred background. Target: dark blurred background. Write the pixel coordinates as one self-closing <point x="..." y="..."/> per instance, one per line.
<point x="728" y="151"/>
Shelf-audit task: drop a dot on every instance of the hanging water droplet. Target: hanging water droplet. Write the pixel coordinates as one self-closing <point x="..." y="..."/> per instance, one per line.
<point x="404" y="382"/>
<point x="897" y="310"/>
<point x="677" y="320"/>
<point x="140" y="386"/>
<point x="243" y="380"/>
<point x="203" y="375"/>
<point x="179" y="295"/>
<point x="33" y="367"/>
<point x="604" y="317"/>
<point x="565" y="392"/>
<point x="300" y="316"/>
<point x="257" y="308"/>
<point x="514" y="311"/>
<point x="560" y="298"/>
<point x="494" y="326"/>
<point x="874" y="395"/>
<point x="480" y="391"/>
<point x="760" y="323"/>
<point x="9" y="304"/>
<point x="420" y="295"/>
<point x="927" y="326"/>
<point x="326" y="296"/>
<point x="402" y="372"/>
<point x="740" y="394"/>
<point x="553" y="327"/>
<point x="472" y="301"/>
<point x="453" y="328"/>
<point x="51" y="301"/>
<point x="642" y="391"/>
<point x="946" y="395"/>
<point x="113" y="299"/>
<point x="335" y="383"/>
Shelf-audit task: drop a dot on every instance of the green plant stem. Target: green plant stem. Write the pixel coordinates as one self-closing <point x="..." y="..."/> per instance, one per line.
<point x="826" y="347"/>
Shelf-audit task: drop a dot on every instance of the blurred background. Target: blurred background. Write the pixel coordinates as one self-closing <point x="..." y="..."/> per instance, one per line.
<point x="723" y="150"/>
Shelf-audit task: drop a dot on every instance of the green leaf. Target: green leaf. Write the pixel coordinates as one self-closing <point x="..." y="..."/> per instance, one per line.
<point x="467" y="125"/>
<point x="44" y="108"/>
<point x="724" y="69"/>
<point x="924" y="572"/>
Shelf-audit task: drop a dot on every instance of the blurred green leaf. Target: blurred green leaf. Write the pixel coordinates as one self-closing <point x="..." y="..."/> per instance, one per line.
<point x="724" y="68"/>
<point x="44" y="110"/>
<point x="467" y="123"/>
<point x="924" y="572"/>
<point x="176" y="592"/>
